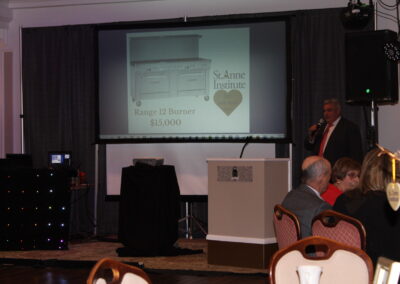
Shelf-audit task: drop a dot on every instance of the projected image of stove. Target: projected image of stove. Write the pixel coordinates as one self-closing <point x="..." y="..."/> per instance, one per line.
<point x="167" y="66"/>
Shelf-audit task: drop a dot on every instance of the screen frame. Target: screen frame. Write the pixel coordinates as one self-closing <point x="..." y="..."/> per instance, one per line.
<point x="192" y="23"/>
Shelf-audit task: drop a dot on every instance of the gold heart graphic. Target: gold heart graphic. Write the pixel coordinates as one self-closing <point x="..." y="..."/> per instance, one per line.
<point x="393" y="195"/>
<point x="228" y="101"/>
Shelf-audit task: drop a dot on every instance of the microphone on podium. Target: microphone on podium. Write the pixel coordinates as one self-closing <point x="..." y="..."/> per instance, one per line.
<point x="248" y="140"/>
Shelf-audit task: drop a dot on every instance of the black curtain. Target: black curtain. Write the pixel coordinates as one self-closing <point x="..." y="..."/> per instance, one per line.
<point x="59" y="99"/>
<point x="318" y="63"/>
<point x="58" y="74"/>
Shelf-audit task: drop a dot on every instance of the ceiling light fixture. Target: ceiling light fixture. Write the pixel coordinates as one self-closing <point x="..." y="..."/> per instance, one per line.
<point x="357" y="15"/>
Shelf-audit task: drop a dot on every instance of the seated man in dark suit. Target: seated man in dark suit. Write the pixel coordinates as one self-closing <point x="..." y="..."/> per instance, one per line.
<point x="305" y="201"/>
<point x="336" y="137"/>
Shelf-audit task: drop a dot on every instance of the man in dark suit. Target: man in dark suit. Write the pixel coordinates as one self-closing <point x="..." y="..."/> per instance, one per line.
<point x="305" y="201"/>
<point x="336" y="137"/>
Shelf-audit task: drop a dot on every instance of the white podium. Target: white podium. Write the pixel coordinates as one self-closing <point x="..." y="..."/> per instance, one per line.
<point x="241" y="196"/>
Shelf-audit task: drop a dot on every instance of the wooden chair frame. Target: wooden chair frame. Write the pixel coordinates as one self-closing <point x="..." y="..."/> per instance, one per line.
<point x="280" y="211"/>
<point x="330" y="218"/>
<point x="318" y="241"/>
<point x="118" y="270"/>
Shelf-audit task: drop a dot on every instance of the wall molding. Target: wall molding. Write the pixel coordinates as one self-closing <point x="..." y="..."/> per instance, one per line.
<point x="29" y="4"/>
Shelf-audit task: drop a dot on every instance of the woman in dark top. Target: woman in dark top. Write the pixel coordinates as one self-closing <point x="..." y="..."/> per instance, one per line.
<point x="369" y="205"/>
<point x="349" y="202"/>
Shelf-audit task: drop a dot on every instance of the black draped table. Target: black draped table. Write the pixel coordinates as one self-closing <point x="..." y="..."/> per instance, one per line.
<point x="149" y="211"/>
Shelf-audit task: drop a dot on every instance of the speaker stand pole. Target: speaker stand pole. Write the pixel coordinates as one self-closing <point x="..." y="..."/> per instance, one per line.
<point x="96" y="187"/>
<point x="374" y="125"/>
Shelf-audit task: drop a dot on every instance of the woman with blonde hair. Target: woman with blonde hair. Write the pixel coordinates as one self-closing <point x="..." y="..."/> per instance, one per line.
<point x="376" y="171"/>
<point x="371" y="207"/>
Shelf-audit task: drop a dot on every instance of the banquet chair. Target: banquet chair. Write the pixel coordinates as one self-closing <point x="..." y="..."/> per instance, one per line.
<point x="339" y="227"/>
<point x="387" y="271"/>
<point x="287" y="226"/>
<point x="110" y="271"/>
<point x="340" y="263"/>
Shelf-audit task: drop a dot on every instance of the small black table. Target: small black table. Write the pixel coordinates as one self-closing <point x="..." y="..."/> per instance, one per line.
<point x="149" y="210"/>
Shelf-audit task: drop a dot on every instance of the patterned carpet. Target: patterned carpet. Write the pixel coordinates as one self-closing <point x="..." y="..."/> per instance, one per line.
<point x="90" y="251"/>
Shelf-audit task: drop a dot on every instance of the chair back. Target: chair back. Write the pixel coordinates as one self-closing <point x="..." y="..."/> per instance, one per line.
<point x="339" y="227"/>
<point x="340" y="263"/>
<point x="109" y="271"/>
<point x="387" y="271"/>
<point x="287" y="226"/>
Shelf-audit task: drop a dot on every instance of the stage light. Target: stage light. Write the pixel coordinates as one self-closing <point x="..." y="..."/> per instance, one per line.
<point x="357" y="15"/>
<point x="18" y="198"/>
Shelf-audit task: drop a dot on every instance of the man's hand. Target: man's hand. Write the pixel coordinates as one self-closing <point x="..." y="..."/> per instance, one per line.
<point x="312" y="130"/>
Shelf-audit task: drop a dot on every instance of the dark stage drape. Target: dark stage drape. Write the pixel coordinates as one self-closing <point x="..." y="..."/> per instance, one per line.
<point x="58" y="75"/>
<point x="318" y="64"/>
<point x="58" y="69"/>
